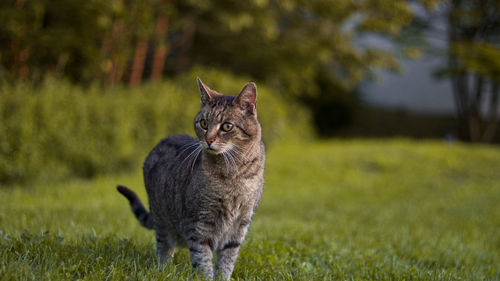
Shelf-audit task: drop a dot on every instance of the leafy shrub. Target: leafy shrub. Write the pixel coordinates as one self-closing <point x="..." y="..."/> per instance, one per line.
<point x="59" y="130"/>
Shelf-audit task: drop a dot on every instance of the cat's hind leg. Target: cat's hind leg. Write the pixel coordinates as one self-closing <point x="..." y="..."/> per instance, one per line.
<point x="164" y="249"/>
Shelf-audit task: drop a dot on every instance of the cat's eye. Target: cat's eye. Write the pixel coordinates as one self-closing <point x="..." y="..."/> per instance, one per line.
<point x="226" y="127"/>
<point x="203" y="124"/>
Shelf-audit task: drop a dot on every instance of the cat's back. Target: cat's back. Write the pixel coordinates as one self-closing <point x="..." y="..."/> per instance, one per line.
<point x="169" y="154"/>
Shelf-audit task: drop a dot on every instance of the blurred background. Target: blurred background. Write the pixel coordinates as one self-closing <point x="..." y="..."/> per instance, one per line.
<point x="89" y="86"/>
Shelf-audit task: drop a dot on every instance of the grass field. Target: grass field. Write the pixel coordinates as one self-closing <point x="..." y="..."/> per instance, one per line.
<point x="337" y="210"/>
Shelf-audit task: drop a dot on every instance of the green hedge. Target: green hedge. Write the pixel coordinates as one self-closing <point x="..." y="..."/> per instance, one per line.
<point x="58" y="130"/>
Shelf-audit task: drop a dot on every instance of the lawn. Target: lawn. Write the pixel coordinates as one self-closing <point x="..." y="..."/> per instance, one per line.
<point x="333" y="210"/>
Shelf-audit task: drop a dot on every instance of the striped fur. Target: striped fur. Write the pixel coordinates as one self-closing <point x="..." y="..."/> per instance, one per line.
<point x="137" y="208"/>
<point x="204" y="191"/>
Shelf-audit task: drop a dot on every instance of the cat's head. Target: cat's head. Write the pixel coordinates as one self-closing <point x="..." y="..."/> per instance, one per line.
<point x="227" y="123"/>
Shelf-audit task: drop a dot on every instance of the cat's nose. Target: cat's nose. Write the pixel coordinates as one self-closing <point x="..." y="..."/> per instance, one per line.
<point x="209" y="141"/>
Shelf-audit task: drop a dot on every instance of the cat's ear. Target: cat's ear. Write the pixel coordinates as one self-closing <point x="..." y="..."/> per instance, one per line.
<point x="207" y="94"/>
<point x="247" y="99"/>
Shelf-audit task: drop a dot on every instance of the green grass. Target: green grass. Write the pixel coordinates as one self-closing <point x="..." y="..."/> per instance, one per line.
<point x="337" y="210"/>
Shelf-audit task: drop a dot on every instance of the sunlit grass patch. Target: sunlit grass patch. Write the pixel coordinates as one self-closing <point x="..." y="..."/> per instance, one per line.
<point x="336" y="210"/>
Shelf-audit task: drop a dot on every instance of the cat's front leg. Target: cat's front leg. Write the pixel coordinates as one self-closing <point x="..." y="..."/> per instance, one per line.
<point x="226" y="258"/>
<point x="227" y="253"/>
<point x="201" y="256"/>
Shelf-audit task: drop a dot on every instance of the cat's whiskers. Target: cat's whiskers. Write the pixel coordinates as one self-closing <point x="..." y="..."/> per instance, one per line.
<point x="240" y="154"/>
<point x="225" y="161"/>
<point x="199" y="149"/>
<point x="187" y="147"/>
<point x="234" y="155"/>
<point x="193" y="153"/>
<point x="232" y="159"/>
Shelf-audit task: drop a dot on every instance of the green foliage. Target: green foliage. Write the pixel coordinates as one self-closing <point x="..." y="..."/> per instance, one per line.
<point x="287" y="42"/>
<point x="358" y="210"/>
<point x="473" y="38"/>
<point x="289" y="45"/>
<point x="309" y="50"/>
<point x="479" y="57"/>
<point x="59" y="130"/>
<point x="78" y="40"/>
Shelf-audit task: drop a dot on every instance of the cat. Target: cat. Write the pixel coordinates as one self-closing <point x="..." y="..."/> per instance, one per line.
<point x="204" y="191"/>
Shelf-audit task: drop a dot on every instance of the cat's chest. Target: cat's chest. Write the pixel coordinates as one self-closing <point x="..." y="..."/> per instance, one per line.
<point x="232" y="203"/>
<point x="231" y="200"/>
<point x="232" y="213"/>
<point x="225" y="181"/>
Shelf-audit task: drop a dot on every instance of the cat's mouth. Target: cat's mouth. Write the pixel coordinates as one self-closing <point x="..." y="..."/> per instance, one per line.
<point x="212" y="150"/>
<point x="215" y="149"/>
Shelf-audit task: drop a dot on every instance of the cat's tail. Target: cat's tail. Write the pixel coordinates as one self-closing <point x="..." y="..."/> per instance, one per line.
<point x="138" y="209"/>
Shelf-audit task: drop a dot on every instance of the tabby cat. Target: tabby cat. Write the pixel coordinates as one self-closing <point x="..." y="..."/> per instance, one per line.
<point x="203" y="192"/>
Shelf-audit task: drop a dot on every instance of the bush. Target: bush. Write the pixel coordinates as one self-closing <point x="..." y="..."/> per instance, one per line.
<point x="59" y="130"/>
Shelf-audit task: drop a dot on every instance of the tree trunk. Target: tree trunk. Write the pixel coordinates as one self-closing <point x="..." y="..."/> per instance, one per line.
<point x="475" y="118"/>
<point x="139" y="60"/>
<point x="117" y="66"/>
<point x="20" y="54"/>
<point x="474" y="123"/>
<point x="23" y="64"/>
<point x="455" y="78"/>
<point x="489" y="132"/>
<point x="161" y="50"/>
